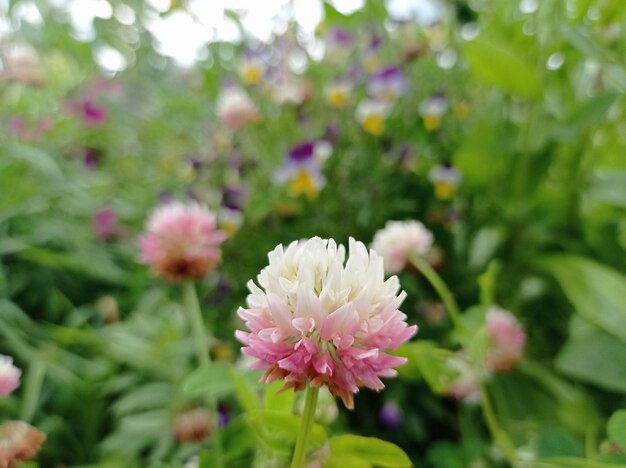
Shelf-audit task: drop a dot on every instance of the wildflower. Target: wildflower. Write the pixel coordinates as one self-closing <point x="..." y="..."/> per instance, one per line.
<point x="108" y="309"/>
<point x="235" y="109"/>
<point x="291" y="92"/>
<point x="21" y="64"/>
<point x="181" y="242"/>
<point x="338" y="44"/>
<point x="302" y="169"/>
<point x="106" y="223"/>
<point x="338" y="94"/>
<point x="399" y="240"/>
<point x="19" y="442"/>
<point x="431" y="110"/>
<point x="9" y="375"/>
<point x="372" y="115"/>
<point x="314" y="318"/>
<point x="252" y="71"/>
<point x="391" y="415"/>
<point x="91" y="158"/>
<point x="387" y="84"/>
<point x="193" y="425"/>
<point x="446" y="179"/>
<point x="230" y="220"/>
<point x="234" y="197"/>
<point x="33" y="132"/>
<point x="506" y="340"/>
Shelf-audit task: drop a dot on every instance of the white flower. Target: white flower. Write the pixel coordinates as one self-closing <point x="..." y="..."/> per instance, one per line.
<point x="235" y="108"/>
<point x="372" y="114"/>
<point x="399" y="240"/>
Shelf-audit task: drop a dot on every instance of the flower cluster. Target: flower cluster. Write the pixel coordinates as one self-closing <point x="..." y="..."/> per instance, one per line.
<point x="399" y="240"/>
<point x="318" y="317"/>
<point x="303" y="168"/>
<point x="181" y="242"/>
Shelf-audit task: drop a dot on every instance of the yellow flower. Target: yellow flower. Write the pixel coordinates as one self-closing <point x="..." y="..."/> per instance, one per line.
<point x="374" y="124"/>
<point x="251" y="74"/>
<point x="444" y="190"/>
<point x="338" y="96"/>
<point x="372" y="115"/>
<point x="432" y="122"/>
<point x="446" y="179"/>
<point x="461" y="109"/>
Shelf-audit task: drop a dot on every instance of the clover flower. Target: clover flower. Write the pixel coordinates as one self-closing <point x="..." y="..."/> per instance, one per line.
<point x="431" y="110"/>
<point x="193" y="425"/>
<point x="318" y="317"/>
<point x="387" y="84"/>
<point x="19" y="442"/>
<point x="106" y="223"/>
<point x="371" y="115"/>
<point x="181" y="242"/>
<point x="445" y="179"/>
<point x="303" y="168"/>
<point x="399" y="240"/>
<point x="506" y="340"/>
<point x="466" y="384"/>
<point x="9" y="375"/>
<point x="235" y="109"/>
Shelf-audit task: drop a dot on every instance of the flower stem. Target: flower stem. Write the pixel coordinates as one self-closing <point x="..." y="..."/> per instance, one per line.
<point x="197" y="325"/>
<point x="500" y="437"/>
<point x="32" y="388"/>
<point x="308" y="416"/>
<point x="200" y="339"/>
<point x="438" y="284"/>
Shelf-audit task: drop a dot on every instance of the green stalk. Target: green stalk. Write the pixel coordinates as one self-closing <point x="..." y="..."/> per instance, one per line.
<point x="197" y="325"/>
<point x="32" y="388"/>
<point x="438" y="284"/>
<point x="308" y="416"/>
<point x="499" y="435"/>
<point x="200" y="340"/>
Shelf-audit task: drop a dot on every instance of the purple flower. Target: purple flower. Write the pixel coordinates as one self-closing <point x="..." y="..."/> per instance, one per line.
<point x="234" y="197"/>
<point x="92" y="113"/>
<point x="224" y="415"/>
<point x="106" y="223"/>
<point x="341" y="36"/>
<point x="375" y="42"/>
<point x="91" y="158"/>
<point x="391" y="415"/>
<point x="387" y="84"/>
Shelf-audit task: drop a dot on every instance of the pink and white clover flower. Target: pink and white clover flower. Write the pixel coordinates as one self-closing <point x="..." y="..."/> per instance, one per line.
<point x="9" y="375"/>
<point x="181" y="242"/>
<point x="315" y="316"/>
<point x="399" y="240"/>
<point x="507" y="340"/>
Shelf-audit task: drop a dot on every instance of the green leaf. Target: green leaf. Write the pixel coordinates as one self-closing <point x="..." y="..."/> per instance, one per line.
<point x="275" y="400"/>
<point x="616" y="428"/>
<point x="558" y="442"/>
<point x="607" y="187"/>
<point x="278" y="430"/>
<point x="594" y="356"/>
<point x="427" y="361"/>
<point x="596" y="291"/>
<point x="496" y="65"/>
<point x="246" y="394"/>
<point x="376" y="451"/>
<point x="214" y="381"/>
<point x="343" y="460"/>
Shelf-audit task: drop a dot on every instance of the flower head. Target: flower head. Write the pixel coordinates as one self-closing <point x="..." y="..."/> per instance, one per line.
<point x="318" y="317"/>
<point x="235" y="109"/>
<point x="431" y="110"/>
<point x="9" y="375"/>
<point x="507" y="339"/>
<point x="391" y="415"/>
<point x="371" y="115"/>
<point x="252" y="70"/>
<point x="399" y="240"/>
<point x="19" y="442"/>
<point x="387" y="84"/>
<point x="445" y="179"/>
<point x="181" y="242"/>
<point x="338" y="94"/>
<point x="465" y="385"/>
<point x="193" y="425"/>
<point x="106" y="223"/>
<point x="303" y="168"/>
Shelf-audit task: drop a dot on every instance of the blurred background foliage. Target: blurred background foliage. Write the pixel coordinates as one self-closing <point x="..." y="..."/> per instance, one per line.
<point x="100" y="123"/>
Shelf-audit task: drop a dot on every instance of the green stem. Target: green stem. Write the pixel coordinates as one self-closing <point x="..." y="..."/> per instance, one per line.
<point x="499" y="435"/>
<point x="197" y="325"/>
<point x="32" y="388"/>
<point x="438" y="284"/>
<point x="200" y="340"/>
<point x="308" y="416"/>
